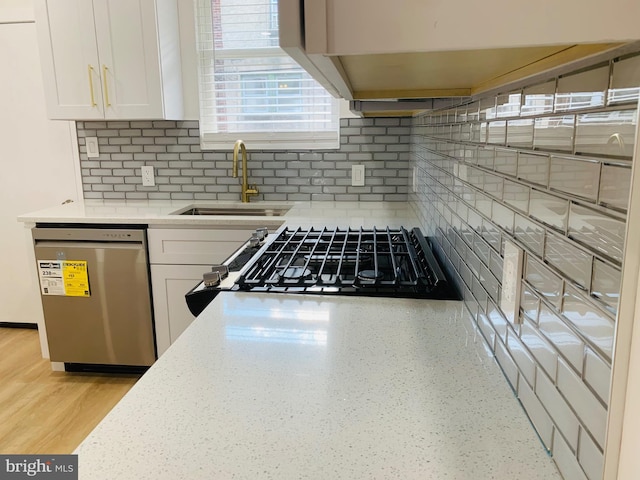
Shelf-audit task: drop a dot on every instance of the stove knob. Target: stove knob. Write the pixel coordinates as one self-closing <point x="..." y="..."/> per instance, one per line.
<point x="262" y="232"/>
<point x="211" y="279"/>
<point x="254" y="241"/>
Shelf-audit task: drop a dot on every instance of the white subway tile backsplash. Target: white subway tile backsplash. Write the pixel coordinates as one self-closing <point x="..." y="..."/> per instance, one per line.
<point x="533" y="168"/>
<point x="588" y="408"/>
<point x="522" y="357"/>
<point x="566" y="461"/>
<point x="575" y="177"/>
<point x="567" y="258"/>
<point x="597" y="374"/>
<point x="549" y="209"/>
<point x="561" y="195"/>
<point x="590" y="457"/>
<point x="554" y="133"/>
<point x="601" y="233"/>
<point x="544" y="281"/>
<point x="615" y="184"/>
<point x="538" y="415"/>
<point x="596" y="325"/>
<point x="562" y="337"/>
<point x="540" y="348"/>
<point x="558" y="409"/>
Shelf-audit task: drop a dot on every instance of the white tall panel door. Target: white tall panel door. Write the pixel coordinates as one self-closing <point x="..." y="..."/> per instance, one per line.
<point x="38" y="168"/>
<point x="69" y="56"/>
<point x="127" y="35"/>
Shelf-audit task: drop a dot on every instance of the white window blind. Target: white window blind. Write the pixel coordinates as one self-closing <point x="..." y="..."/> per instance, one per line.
<point x="250" y="88"/>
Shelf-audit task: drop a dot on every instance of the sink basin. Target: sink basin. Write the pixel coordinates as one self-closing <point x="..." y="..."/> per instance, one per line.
<point x="234" y="211"/>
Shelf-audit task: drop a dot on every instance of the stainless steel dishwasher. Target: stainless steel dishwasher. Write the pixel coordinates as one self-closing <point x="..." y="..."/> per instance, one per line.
<point x="96" y="295"/>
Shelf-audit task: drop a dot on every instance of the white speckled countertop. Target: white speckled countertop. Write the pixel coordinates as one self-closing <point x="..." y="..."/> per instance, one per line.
<point x="161" y="213"/>
<point x="274" y="386"/>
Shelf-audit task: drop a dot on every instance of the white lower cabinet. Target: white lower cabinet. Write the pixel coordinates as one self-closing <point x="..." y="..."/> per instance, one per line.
<point x="170" y="283"/>
<point x="178" y="257"/>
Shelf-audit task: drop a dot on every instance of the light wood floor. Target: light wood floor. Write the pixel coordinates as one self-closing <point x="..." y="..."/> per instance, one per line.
<point x="42" y="411"/>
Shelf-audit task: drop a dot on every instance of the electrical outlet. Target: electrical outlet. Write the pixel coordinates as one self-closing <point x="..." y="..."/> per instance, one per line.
<point x="357" y="175"/>
<point x="148" y="177"/>
<point x="511" y="281"/>
<point x="92" y="147"/>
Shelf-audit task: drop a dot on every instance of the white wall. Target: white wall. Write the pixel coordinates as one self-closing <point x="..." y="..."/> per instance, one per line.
<point x="38" y="159"/>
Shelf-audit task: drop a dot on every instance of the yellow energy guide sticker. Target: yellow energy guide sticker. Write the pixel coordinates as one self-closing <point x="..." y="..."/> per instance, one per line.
<point x="64" y="277"/>
<point x="76" y="280"/>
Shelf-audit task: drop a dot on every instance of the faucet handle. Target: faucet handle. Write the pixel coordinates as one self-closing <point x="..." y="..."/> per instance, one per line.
<point x="253" y="189"/>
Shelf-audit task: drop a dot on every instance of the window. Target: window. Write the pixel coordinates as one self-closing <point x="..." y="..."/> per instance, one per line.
<point x="250" y="88"/>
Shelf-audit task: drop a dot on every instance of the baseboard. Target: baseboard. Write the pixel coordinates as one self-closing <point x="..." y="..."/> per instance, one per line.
<point x="33" y="326"/>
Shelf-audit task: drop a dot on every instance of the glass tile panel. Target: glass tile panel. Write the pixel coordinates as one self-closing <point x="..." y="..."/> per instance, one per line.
<point x="561" y="336"/>
<point x="540" y="348"/>
<point x="576" y="177"/>
<point x="483" y="132"/>
<point x="483" y="204"/>
<point x="554" y="133"/>
<point x="475" y="132"/>
<point x="582" y="90"/>
<point x="492" y="235"/>
<point x="508" y="105"/>
<point x="475" y="177"/>
<point x="530" y="234"/>
<point x="549" y="209"/>
<point x="485" y="157"/>
<point x="502" y="216"/>
<point x="605" y="285"/>
<point x="544" y="281"/>
<point x="569" y="259"/>
<point x="533" y="168"/>
<point x="599" y="232"/>
<point x="487" y="108"/>
<point x="482" y="249"/>
<point x="497" y="264"/>
<point x="516" y="195"/>
<point x="472" y="111"/>
<point x="593" y="323"/>
<point x="625" y="84"/>
<point x="497" y="132"/>
<point x="506" y="161"/>
<point x="529" y="303"/>
<point x="538" y="99"/>
<point x="520" y="133"/>
<point x="606" y="133"/>
<point x="615" y="184"/>
<point x="493" y="185"/>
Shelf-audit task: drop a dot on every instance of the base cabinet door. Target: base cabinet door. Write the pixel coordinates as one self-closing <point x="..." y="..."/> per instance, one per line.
<point x="169" y="284"/>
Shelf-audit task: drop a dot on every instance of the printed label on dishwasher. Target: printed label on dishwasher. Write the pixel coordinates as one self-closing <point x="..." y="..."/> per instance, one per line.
<point x="67" y="278"/>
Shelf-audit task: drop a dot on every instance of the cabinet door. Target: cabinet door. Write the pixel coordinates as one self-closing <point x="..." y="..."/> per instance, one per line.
<point x="169" y="284"/>
<point x="69" y="57"/>
<point x="128" y="46"/>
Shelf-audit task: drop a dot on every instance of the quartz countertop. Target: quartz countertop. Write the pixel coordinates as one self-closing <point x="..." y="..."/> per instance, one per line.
<point x="276" y="386"/>
<point x="161" y="213"/>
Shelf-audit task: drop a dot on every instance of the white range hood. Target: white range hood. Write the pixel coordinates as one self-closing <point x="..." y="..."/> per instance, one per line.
<point x="417" y="49"/>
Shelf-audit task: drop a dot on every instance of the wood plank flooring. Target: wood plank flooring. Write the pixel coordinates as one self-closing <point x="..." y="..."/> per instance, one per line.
<point x="42" y="411"/>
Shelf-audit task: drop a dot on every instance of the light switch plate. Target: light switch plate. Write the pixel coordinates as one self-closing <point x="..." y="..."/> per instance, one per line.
<point x="148" y="177"/>
<point x="357" y="175"/>
<point x="92" y="147"/>
<point x="511" y="282"/>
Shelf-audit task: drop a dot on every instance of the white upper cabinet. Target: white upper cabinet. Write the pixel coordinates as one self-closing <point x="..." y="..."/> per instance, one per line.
<point x="110" y="59"/>
<point x="364" y="49"/>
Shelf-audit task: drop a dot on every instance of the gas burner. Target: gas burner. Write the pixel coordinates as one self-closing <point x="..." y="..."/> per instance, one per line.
<point x="370" y="275"/>
<point x="295" y="273"/>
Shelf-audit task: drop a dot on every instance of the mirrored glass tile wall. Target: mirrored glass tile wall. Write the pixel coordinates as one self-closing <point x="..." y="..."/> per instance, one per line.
<point x="548" y="168"/>
<point x="184" y="172"/>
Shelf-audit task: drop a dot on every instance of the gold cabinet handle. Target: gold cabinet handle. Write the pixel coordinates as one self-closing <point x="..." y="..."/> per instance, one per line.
<point x="106" y="86"/>
<point x="93" y="98"/>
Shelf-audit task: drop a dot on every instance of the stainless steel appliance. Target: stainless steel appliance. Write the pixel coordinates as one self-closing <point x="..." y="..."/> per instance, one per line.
<point x="369" y="262"/>
<point x="96" y="295"/>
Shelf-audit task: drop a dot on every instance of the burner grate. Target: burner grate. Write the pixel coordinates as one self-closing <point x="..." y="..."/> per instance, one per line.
<point x="357" y="261"/>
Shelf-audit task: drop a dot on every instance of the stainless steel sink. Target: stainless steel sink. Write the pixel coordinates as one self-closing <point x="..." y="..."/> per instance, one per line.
<point x="234" y="211"/>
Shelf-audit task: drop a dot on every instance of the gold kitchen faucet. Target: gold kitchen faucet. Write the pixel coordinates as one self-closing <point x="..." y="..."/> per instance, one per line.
<point x="247" y="190"/>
